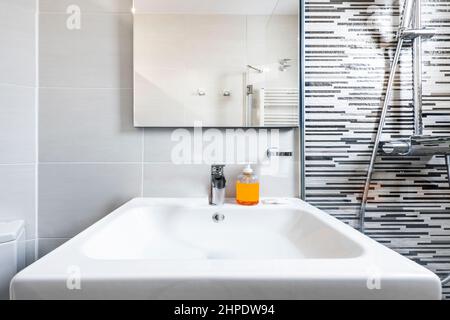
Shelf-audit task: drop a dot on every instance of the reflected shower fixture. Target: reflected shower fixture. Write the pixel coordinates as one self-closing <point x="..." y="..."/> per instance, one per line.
<point x="284" y="64"/>
<point x="201" y="92"/>
<point x="255" y="69"/>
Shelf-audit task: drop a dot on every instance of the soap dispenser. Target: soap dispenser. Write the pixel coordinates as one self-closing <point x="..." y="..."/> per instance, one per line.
<point x="247" y="188"/>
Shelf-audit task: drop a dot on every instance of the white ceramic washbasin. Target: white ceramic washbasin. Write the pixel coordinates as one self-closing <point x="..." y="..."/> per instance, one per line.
<point x="177" y="249"/>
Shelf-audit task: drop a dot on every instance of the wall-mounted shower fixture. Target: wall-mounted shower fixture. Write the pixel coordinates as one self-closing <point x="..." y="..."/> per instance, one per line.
<point x="410" y="29"/>
<point x="418" y="144"/>
<point x="415" y="33"/>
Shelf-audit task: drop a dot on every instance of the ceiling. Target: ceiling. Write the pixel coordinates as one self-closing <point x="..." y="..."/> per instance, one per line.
<point x="239" y="7"/>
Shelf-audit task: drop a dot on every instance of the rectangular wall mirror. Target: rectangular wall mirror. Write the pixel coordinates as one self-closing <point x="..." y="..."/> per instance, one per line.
<point x="216" y="63"/>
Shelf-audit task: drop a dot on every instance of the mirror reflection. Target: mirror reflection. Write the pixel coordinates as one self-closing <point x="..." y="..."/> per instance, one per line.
<point x="216" y="63"/>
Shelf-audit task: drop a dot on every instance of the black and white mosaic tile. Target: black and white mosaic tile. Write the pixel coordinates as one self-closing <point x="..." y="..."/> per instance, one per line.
<point x="349" y="45"/>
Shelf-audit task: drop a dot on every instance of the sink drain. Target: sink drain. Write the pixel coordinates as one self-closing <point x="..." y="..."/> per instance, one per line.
<point x="218" y="217"/>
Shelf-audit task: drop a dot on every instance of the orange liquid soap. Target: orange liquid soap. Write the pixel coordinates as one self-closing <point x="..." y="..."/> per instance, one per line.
<point x="247" y="194"/>
<point x="247" y="188"/>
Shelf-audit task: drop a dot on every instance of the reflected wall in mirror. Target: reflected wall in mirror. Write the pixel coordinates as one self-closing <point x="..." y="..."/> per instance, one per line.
<point x="216" y="63"/>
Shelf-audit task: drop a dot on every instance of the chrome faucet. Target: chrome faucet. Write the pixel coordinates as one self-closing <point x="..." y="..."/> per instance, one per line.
<point x="217" y="187"/>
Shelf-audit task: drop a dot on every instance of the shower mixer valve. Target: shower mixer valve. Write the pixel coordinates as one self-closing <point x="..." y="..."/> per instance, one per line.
<point x="419" y="146"/>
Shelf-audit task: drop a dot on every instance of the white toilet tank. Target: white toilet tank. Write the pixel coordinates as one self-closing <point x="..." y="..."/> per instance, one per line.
<point x="12" y="253"/>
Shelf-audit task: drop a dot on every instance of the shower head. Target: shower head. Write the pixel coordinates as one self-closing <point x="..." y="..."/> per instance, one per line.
<point x="407" y="15"/>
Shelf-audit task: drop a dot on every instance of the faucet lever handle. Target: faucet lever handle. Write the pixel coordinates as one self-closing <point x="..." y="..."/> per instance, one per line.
<point x="218" y="177"/>
<point x="217" y="170"/>
<point x="218" y="184"/>
<point x="275" y="152"/>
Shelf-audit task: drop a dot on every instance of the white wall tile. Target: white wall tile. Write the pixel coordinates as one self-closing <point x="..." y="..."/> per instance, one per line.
<point x="17" y="124"/>
<point x="17" y="114"/>
<point x="168" y="180"/>
<point x="17" y="38"/>
<point x="88" y="125"/>
<point x="280" y="183"/>
<point x="30" y="251"/>
<point x="17" y="195"/>
<point x="159" y="144"/>
<point x="74" y="196"/>
<point x="47" y="245"/>
<point x="98" y="55"/>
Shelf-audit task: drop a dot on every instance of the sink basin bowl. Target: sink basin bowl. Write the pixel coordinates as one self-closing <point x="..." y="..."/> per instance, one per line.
<point x="186" y="249"/>
<point x="190" y="233"/>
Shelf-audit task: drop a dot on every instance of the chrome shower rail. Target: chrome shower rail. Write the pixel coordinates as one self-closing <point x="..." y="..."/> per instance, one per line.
<point x="412" y="9"/>
<point x="417" y="70"/>
<point x="362" y="212"/>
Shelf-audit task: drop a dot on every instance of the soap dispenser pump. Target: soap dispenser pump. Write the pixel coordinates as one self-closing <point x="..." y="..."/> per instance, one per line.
<point x="247" y="188"/>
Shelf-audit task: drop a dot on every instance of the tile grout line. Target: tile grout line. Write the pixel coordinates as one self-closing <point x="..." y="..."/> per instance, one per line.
<point x="16" y="85"/>
<point x="142" y="163"/>
<point x="17" y="164"/>
<point x="36" y="110"/>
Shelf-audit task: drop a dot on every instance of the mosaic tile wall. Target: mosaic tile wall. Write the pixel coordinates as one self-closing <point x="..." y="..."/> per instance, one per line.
<point x="349" y="45"/>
